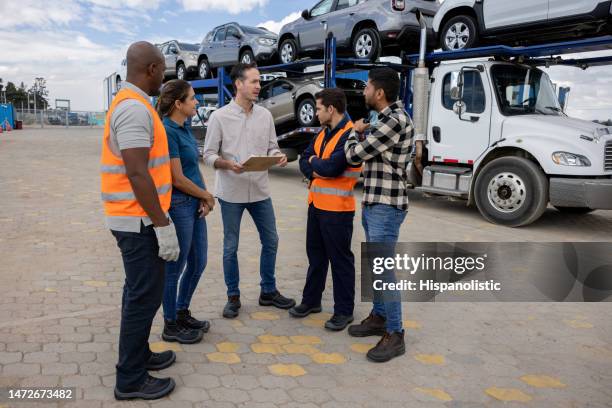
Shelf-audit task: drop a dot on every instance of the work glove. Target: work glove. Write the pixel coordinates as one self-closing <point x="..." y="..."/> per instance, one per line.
<point x="168" y="242"/>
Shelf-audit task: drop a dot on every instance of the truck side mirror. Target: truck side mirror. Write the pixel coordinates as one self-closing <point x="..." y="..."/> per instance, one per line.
<point x="455" y="93"/>
<point x="306" y="15"/>
<point x="459" y="108"/>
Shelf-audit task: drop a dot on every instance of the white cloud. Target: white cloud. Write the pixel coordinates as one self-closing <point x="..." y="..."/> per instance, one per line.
<point x="122" y="4"/>
<point x="40" y="13"/>
<point x="275" y="26"/>
<point x="73" y="65"/>
<point x="230" y="6"/>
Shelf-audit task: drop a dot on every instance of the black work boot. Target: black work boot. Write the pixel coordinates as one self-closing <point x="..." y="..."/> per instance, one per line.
<point x="391" y="345"/>
<point x="338" y="322"/>
<point x="275" y="299"/>
<point x="175" y="332"/>
<point x="303" y="310"/>
<point x="152" y="388"/>
<point x="373" y="325"/>
<point x="184" y="318"/>
<point x="230" y="310"/>
<point x="159" y="361"/>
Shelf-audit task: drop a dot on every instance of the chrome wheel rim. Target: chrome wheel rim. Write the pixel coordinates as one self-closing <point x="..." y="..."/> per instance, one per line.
<point x="506" y="192"/>
<point x="287" y="53"/>
<point x="181" y="73"/>
<point x="246" y="58"/>
<point x="457" y="36"/>
<point x="203" y="70"/>
<point x="364" y="45"/>
<point x="307" y="113"/>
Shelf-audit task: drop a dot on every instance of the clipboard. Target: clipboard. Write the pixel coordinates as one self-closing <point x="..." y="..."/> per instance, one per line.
<point x="261" y="163"/>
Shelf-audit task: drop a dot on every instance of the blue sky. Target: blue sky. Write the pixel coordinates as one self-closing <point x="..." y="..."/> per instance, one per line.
<point x="74" y="44"/>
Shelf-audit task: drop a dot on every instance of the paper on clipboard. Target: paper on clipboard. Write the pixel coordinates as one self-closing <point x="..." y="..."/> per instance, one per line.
<point x="260" y="163"/>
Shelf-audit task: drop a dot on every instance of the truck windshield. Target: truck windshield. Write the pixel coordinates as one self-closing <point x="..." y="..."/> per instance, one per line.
<point x="524" y="91"/>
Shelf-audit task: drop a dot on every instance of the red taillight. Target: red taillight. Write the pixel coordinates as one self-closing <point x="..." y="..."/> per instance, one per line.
<point x="398" y="5"/>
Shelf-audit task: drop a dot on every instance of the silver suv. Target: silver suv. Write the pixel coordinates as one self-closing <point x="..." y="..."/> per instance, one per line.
<point x="181" y="59"/>
<point x="368" y="28"/>
<point x="232" y="43"/>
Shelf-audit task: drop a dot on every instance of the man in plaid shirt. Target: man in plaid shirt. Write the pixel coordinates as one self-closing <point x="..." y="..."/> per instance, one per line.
<point x="384" y="153"/>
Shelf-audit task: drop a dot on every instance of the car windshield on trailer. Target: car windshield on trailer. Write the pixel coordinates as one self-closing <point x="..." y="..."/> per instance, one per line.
<point x="189" y="47"/>
<point x="254" y="30"/>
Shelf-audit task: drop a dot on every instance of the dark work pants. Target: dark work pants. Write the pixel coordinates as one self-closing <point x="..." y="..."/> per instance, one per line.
<point x="142" y="295"/>
<point x="328" y="240"/>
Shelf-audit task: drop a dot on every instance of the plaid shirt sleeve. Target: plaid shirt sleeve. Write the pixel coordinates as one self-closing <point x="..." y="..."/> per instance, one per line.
<point x="383" y="137"/>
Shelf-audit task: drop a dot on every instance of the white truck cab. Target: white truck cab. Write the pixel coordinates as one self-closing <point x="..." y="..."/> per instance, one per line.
<point x="496" y="135"/>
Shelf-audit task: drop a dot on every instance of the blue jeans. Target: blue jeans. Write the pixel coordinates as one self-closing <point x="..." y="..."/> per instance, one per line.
<point x="262" y="213"/>
<point x="193" y="243"/>
<point x="382" y="223"/>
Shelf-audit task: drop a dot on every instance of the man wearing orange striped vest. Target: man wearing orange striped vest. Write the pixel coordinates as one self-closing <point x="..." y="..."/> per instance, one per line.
<point x="136" y="190"/>
<point x="331" y="209"/>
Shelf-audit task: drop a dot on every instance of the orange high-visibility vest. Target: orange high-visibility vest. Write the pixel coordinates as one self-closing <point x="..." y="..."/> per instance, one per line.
<point x="117" y="194"/>
<point x="334" y="194"/>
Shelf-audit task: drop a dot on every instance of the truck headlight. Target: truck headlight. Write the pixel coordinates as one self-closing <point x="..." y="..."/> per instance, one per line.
<point x="266" y="41"/>
<point x="570" y="159"/>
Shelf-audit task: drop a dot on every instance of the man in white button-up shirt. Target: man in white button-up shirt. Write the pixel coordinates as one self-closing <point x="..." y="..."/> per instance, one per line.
<point x="235" y="132"/>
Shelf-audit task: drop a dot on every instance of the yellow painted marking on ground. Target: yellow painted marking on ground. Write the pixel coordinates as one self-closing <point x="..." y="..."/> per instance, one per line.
<point x="96" y="284"/>
<point x="305" y="339"/>
<point x="578" y="324"/>
<point x="236" y="323"/>
<point x="314" y="323"/>
<point x="430" y="359"/>
<point x="260" y="348"/>
<point x="51" y="290"/>
<point x="328" y="358"/>
<point x="290" y="370"/>
<point x="228" y="347"/>
<point x="227" y="358"/>
<point x="508" y="394"/>
<point x="265" y="316"/>
<point x="411" y="324"/>
<point x="320" y="316"/>
<point x="542" y="381"/>
<point x="163" y="346"/>
<point x="361" y="347"/>
<point x="270" y="339"/>
<point x="436" y="393"/>
<point x="300" y="349"/>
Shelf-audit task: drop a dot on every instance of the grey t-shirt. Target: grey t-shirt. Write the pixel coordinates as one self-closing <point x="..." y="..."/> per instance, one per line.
<point x="131" y="126"/>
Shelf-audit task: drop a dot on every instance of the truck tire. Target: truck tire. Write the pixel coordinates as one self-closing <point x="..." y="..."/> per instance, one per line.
<point x="181" y="71"/>
<point x="459" y="33"/>
<point x="366" y="44"/>
<point x="306" y="113"/>
<point x="511" y="191"/>
<point x="288" y="51"/>
<point x="575" y="210"/>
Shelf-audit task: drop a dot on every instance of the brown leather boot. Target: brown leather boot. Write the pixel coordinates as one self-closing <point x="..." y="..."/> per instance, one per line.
<point x="390" y="346"/>
<point x="373" y="325"/>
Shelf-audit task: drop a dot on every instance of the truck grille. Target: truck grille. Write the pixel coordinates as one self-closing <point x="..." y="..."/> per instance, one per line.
<point x="608" y="156"/>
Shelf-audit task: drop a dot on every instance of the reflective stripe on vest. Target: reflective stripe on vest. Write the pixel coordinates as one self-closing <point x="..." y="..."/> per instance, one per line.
<point x="333" y="194"/>
<point x="130" y="194"/>
<point x="156" y="162"/>
<point x="117" y="195"/>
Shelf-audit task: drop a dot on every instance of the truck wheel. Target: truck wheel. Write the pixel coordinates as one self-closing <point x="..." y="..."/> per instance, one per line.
<point x="204" y="69"/>
<point x="288" y="51"/>
<point x="511" y="191"/>
<point x="575" y="210"/>
<point x="306" y="113"/>
<point x="247" y="57"/>
<point x="366" y="44"/>
<point x="458" y="33"/>
<point x="181" y="71"/>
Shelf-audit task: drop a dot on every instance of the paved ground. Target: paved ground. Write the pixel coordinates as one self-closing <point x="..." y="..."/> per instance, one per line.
<point x="61" y="277"/>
